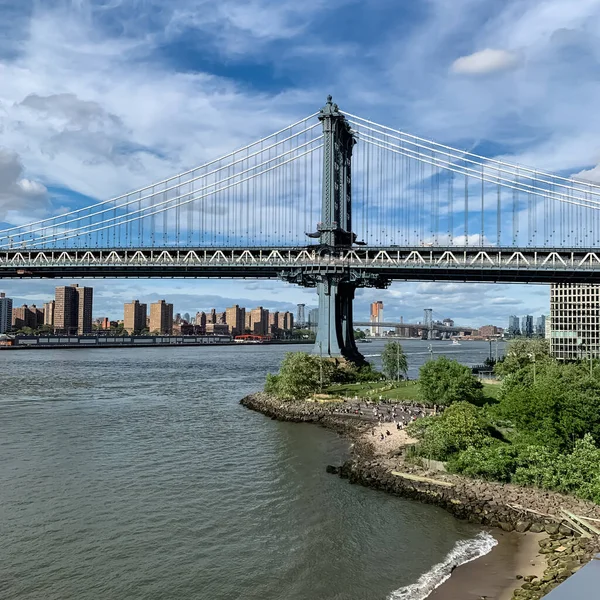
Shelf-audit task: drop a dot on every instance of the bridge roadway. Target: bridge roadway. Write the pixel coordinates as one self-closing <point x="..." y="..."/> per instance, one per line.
<point x="394" y="325"/>
<point x="473" y="264"/>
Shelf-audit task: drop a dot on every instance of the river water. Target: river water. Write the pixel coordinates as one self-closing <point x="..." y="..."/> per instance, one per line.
<point x="135" y="474"/>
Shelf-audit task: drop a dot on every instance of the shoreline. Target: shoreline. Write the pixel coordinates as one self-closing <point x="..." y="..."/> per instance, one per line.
<point x="536" y="551"/>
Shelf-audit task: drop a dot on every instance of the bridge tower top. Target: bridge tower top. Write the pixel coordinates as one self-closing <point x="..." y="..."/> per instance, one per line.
<point x="335" y="228"/>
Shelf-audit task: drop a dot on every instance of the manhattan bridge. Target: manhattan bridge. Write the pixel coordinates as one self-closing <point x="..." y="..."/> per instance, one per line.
<point x="335" y="202"/>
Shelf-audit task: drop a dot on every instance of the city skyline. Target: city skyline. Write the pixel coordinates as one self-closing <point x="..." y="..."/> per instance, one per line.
<point x="461" y="302"/>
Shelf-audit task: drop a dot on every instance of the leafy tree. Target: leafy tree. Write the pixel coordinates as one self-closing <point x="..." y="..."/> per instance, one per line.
<point x="496" y="461"/>
<point x="300" y="376"/>
<point x="459" y="427"/>
<point x="359" y="334"/>
<point x="559" y="407"/>
<point x="444" y="381"/>
<point x="395" y="365"/>
<point x="522" y="353"/>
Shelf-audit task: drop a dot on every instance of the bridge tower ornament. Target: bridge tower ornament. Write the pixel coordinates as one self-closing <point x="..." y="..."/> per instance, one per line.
<point x="335" y="333"/>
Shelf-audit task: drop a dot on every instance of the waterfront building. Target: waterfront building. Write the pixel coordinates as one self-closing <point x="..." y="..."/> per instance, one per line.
<point x="513" y="325"/>
<point x="106" y="323"/>
<point x="574" y="320"/>
<point x="257" y="321"/>
<point x="376" y="317"/>
<point x="527" y="325"/>
<point x="134" y="317"/>
<point x="73" y="309"/>
<point x="49" y="313"/>
<point x="288" y="322"/>
<point x="212" y="317"/>
<point x="222" y="318"/>
<point x="489" y="331"/>
<point x="540" y="325"/>
<point x="235" y="317"/>
<point x="6" y="308"/>
<point x="300" y="315"/>
<point x="201" y="320"/>
<point x="217" y="329"/>
<point x="313" y="318"/>
<point x="275" y="323"/>
<point x="161" y="318"/>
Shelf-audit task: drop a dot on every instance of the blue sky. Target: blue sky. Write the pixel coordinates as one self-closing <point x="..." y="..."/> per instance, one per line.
<point x="98" y="97"/>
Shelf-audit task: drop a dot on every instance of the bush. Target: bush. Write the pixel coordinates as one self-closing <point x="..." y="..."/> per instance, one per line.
<point x="299" y="376"/>
<point x="461" y="426"/>
<point x="496" y="462"/>
<point x="444" y="381"/>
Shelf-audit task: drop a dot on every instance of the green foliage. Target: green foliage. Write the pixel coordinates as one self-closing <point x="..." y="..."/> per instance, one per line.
<point x="300" y="376"/>
<point x="522" y="353"/>
<point x="395" y="365"/>
<point x="558" y="408"/>
<point x="359" y="334"/>
<point x="459" y="427"/>
<point x="365" y="374"/>
<point x="496" y="461"/>
<point x="444" y="381"/>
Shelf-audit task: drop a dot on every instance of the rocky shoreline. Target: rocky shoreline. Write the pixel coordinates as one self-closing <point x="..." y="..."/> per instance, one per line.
<point x="504" y="506"/>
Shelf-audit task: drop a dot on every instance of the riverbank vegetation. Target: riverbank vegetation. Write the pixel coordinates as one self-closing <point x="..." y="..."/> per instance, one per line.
<point x="544" y="429"/>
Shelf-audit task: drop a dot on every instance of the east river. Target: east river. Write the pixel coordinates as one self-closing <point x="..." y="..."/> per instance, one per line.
<point x="135" y="474"/>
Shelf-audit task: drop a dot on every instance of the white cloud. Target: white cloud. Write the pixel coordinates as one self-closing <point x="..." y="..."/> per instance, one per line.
<point x="485" y="61"/>
<point x="21" y="199"/>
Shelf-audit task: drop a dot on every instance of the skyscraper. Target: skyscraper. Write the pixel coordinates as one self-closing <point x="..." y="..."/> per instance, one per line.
<point x="300" y="315"/>
<point x="257" y="320"/>
<point x="313" y="318"/>
<point x="134" y="317"/>
<point x="376" y="316"/>
<point x="73" y="309"/>
<point x="5" y="313"/>
<point x="513" y="325"/>
<point x="527" y="325"/>
<point x="161" y="318"/>
<point x="49" y="313"/>
<point x="540" y="325"/>
<point x="235" y="317"/>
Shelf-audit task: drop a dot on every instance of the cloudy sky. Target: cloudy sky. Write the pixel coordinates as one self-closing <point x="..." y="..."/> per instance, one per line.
<point x="98" y="97"/>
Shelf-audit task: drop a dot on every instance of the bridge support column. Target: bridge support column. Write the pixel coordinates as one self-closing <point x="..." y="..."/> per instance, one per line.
<point x="335" y="333"/>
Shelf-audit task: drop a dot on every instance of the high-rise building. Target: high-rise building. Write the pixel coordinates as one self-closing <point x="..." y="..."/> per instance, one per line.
<point x="73" y="309"/>
<point x="161" y="318"/>
<point x="49" y="313"/>
<point x="376" y="317"/>
<point x="288" y="322"/>
<point x="212" y="317"/>
<point x="27" y="316"/>
<point x="201" y="321"/>
<point x="574" y="320"/>
<point x="540" y="325"/>
<point x="134" y="317"/>
<point x="300" y="315"/>
<point x="274" y="323"/>
<point x="313" y="318"/>
<point x="235" y="317"/>
<point x="257" y="320"/>
<point x="186" y="317"/>
<point x="5" y="313"/>
<point x="513" y="325"/>
<point x="527" y="325"/>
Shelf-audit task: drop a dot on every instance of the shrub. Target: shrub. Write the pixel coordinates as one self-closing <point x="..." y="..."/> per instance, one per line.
<point x="395" y="365"/>
<point x="444" y="381"/>
<point x="496" y="462"/>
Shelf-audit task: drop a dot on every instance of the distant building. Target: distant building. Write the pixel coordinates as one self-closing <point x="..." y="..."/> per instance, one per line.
<point x="548" y="330"/>
<point x="376" y="317"/>
<point x="201" y="321"/>
<point x="186" y="317"/>
<point x="212" y="317"/>
<point x="49" y="313"/>
<point x="448" y="323"/>
<point x="235" y="317"/>
<point x="5" y="313"/>
<point x="275" y="323"/>
<point x="73" y="309"/>
<point x="540" y="325"/>
<point x="513" y="325"/>
<point x="217" y="329"/>
<point x="134" y="317"/>
<point x="313" y="318"/>
<point x="489" y="331"/>
<point x="300" y="315"/>
<point x="161" y="318"/>
<point x="288" y="322"/>
<point x="527" y="325"/>
<point x="105" y="323"/>
<point x="575" y="320"/>
<point x="257" y="321"/>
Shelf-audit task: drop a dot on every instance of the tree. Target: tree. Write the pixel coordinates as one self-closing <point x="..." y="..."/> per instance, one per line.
<point x="359" y="334"/>
<point x="300" y="376"/>
<point x="395" y="365"/>
<point x="444" y="381"/>
<point x="521" y="353"/>
<point x="459" y="427"/>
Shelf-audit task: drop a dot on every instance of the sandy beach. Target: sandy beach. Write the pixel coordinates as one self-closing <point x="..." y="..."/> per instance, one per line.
<point x="494" y="576"/>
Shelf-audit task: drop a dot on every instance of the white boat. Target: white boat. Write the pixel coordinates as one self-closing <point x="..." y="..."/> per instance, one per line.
<point x="455" y="343"/>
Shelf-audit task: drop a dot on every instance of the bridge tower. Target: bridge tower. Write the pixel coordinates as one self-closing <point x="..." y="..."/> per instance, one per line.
<point x="335" y="333"/>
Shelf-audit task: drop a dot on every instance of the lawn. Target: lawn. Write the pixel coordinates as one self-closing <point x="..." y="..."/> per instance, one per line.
<point x="405" y="391"/>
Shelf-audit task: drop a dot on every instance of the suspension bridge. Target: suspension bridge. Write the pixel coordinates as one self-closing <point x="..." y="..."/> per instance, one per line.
<point x="333" y="201"/>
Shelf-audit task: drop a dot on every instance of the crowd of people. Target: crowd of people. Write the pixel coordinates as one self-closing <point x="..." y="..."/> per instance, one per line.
<point x="397" y="414"/>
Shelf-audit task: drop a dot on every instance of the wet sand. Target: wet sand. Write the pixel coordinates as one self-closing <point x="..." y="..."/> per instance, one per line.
<point x="494" y="576"/>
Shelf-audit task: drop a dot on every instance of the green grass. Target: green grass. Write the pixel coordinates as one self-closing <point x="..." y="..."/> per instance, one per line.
<point x="405" y="391"/>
